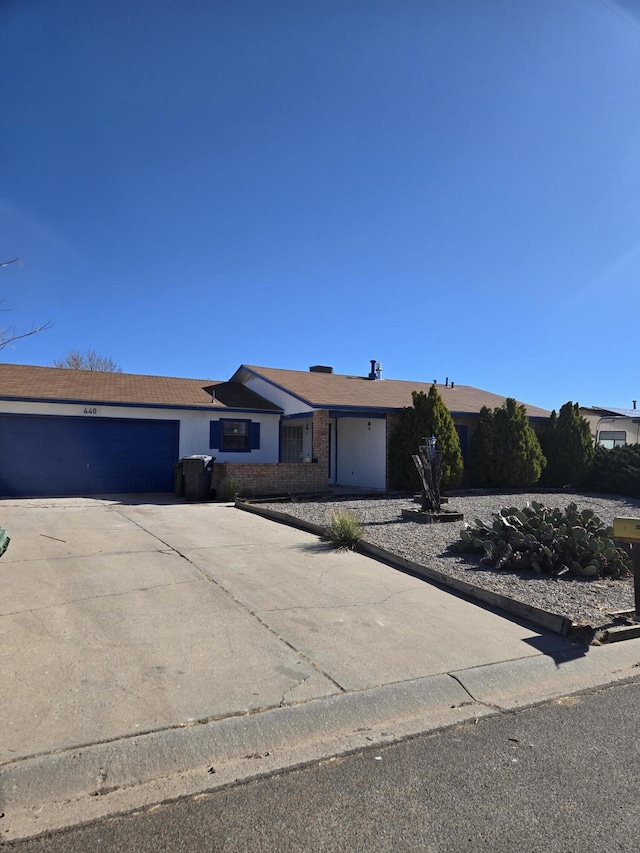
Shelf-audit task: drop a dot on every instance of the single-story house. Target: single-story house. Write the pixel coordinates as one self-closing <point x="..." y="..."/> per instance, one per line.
<point x="613" y="427"/>
<point x="74" y="432"/>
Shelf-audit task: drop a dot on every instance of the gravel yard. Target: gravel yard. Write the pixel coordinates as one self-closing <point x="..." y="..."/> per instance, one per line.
<point x="585" y="602"/>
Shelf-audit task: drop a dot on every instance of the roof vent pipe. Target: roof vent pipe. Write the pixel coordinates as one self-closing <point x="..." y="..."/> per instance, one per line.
<point x="446" y="382"/>
<point x="452" y="383"/>
<point x="634" y="403"/>
<point x="372" y="373"/>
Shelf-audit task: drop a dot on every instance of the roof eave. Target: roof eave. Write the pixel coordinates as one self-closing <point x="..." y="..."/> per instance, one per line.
<point x="75" y="401"/>
<point x="251" y="372"/>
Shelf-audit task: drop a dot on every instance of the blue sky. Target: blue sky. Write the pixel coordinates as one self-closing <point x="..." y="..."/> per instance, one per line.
<point x="449" y="187"/>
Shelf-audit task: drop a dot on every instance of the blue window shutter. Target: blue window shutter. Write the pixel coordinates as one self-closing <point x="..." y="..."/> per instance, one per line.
<point x="254" y="436"/>
<point x="214" y="435"/>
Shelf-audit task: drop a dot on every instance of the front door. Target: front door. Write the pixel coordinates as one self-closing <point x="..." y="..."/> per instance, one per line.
<point x="291" y="444"/>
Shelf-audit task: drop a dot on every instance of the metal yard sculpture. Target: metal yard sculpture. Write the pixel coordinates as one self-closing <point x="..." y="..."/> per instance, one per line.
<point x="428" y="461"/>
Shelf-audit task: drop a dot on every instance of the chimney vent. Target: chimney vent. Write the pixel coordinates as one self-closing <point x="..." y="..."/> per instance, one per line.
<point x="372" y="372"/>
<point x="320" y="368"/>
<point x="634" y="403"/>
<point x="452" y="383"/>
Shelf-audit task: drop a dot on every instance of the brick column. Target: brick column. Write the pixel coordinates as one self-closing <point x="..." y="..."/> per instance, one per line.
<point x="320" y="445"/>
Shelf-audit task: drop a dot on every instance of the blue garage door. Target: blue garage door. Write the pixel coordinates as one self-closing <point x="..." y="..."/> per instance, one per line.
<point x="42" y="455"/>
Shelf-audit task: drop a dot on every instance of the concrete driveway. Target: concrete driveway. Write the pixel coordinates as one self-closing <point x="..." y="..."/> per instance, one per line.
<point x="119" y="618"/>
<point x="146" y="615"/>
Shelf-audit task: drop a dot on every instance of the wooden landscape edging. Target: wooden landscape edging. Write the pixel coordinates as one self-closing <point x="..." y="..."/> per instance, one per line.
<point x="282" y="517"/>
<point x="542" y="618"/>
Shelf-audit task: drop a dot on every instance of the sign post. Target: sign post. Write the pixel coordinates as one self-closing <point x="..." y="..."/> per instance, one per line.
<point x="628" y="530"/>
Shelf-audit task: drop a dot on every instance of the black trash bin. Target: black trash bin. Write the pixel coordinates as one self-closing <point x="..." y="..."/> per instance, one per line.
<point x="197" y="477"/>
<point x="178" y="480"/>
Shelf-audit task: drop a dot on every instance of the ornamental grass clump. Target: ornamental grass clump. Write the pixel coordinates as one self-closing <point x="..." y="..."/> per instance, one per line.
<point x="344" y="531"/>
<point x="228" y="490"/>
<point x="547" y="541"/>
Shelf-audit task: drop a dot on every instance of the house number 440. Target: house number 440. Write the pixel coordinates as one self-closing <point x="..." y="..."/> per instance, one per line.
<point x="90" y="411"/>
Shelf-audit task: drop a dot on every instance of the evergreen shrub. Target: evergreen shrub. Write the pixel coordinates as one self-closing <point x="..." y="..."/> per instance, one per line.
<point x="505" y="450"/>
<point x="428" y="416"/>
<point x="617" y="471"/>
<point x="568" y="448"/>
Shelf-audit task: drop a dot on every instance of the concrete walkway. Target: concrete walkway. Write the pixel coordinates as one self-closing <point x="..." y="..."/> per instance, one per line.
<point x="151" y="648"/>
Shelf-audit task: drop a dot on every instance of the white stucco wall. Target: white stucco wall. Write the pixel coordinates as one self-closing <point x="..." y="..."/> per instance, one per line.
<point x="361" y="452"/>
<point x="194" y="425"/>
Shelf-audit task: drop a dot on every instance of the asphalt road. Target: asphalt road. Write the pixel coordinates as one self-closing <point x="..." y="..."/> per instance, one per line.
<point x="562" y="776"/>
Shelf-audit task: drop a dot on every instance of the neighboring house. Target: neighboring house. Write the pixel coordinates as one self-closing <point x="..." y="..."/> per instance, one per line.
<point x="271" y="431"/>
<point x="76" y="432"/>
<point x="612" y="427"/>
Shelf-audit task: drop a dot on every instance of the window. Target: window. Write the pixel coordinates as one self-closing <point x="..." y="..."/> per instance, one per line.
<point x="234" y="436"/>
<point x="612" y="438"/>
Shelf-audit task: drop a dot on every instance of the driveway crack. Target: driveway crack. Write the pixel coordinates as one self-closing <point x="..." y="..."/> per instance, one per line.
<point x="95" y="597"/>
<point x="236" y="600"/>
<point x="283" y="701"/>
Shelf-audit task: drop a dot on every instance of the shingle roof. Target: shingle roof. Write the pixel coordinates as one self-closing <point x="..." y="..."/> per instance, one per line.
<point x="24" y="382"/>
<point x="335" y="391"/>
<point x="612" y="410"/>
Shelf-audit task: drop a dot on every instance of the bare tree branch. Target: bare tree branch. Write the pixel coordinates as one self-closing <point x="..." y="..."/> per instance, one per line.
<point x="9" y="334"/>
<point x="89" y="360"/>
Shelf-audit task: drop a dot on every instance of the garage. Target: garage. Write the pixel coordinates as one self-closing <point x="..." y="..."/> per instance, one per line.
<point x="48" y="455"/>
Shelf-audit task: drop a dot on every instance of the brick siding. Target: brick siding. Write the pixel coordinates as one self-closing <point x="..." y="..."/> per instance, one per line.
<point x="270" y="478"/>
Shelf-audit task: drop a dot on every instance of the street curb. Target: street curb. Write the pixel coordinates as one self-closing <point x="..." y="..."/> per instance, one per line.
<point x="43" y="792"/>
<point x="535" y="615"/>
<point x="529" y="681"/>
<point x="50" y="792"/>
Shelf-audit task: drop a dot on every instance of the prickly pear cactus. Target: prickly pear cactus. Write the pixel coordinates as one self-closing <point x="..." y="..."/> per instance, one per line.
<point x="547" y="541"/>
<point x="4" y="541"/>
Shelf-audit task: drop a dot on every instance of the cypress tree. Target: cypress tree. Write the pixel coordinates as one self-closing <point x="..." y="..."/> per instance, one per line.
<point x="548" y="443"/>
<point x="568" y="447"/>
<point x="442" y="426"/>
<point x="404" y="441"/>
<point x="518" y="459"/>
<point x="481" y="451"/>
<point x="428" y="416"/>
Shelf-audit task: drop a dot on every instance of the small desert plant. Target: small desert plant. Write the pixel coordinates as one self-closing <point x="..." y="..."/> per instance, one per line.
<point x="228" y="490"/>
<point x="344" y="530"/>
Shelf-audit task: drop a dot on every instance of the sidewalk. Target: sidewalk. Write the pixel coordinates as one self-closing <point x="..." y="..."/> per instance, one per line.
<point x="151" y="649"/>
